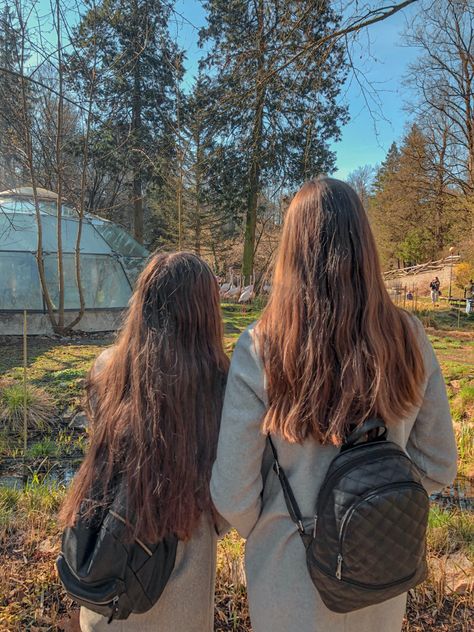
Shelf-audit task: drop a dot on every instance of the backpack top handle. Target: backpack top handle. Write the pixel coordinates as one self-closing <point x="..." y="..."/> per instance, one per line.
<point x="374" y="423"/>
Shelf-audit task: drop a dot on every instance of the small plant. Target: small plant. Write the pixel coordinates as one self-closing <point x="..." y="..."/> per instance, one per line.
<point x="40" y="407"/>
<point x="46" y="447"/>
<point x="43" y="497"/>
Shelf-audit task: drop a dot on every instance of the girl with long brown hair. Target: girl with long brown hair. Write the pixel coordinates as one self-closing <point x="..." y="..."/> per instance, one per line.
<point x="155" y="402"/>
<point x="330" y="351"/>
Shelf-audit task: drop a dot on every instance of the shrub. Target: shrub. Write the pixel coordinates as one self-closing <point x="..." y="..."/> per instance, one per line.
<point x="463" y="272"/>
<point x="40" y="406"/>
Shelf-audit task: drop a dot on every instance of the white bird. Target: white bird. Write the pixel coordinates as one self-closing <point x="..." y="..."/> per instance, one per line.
<point x="247" y="294"/>
<point x="225" y="287"/>
<point x="234" y="292"/>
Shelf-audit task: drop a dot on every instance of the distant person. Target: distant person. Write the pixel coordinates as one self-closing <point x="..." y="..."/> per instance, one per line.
<point x="435" y="293"/>
<point x="330" y="352"/>
<point x="155" y="402"/>
<point x="469" y="296"/>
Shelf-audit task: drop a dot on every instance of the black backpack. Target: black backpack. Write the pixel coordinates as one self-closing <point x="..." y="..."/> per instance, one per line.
<point x="104" y="572"/>
<point x="367" y="542"/>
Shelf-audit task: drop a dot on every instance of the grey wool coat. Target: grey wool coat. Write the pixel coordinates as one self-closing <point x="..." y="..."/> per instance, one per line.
<point x="247" y="493"/>
<point x="187" y="602"/>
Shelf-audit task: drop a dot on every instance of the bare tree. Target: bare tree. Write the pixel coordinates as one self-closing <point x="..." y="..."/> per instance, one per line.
<point x="361" y="181"/>
<point x="443" y="78"/>
<point x="42" y="118"/>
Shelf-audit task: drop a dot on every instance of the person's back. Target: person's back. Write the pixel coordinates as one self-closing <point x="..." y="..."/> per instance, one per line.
<point x="330" y="351"/>
<point x="154" y="402"/>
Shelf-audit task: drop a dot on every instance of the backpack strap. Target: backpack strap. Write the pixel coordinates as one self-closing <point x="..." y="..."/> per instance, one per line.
<point x="374" y="423"/>
<point x="290" y="500"/>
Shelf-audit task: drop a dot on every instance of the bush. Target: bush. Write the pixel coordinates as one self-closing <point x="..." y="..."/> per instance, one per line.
<point x="463" y="272"/>
<point x="40" y="406"/>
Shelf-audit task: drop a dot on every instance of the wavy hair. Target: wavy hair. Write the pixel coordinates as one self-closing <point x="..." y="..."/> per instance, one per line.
<point x="336" y="349"/>
<point x="155" y="407"/>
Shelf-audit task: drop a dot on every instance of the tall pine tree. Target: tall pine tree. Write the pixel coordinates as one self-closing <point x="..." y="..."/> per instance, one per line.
<point x="275" y="102"/>
<point x="10" y="90"/>
<point x="125" y="46"/>
<point x="410" y="210"/>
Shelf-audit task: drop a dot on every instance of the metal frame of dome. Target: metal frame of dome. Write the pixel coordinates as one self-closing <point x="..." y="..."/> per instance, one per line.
<point x="110" y="260"/>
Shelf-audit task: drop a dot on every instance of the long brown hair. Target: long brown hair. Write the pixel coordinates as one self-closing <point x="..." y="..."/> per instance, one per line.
<point x="156" y="405"/>
<point x="335" y="348"/>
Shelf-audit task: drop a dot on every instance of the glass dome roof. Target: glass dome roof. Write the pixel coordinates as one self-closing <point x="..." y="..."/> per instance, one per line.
<point x="110" y="258"/>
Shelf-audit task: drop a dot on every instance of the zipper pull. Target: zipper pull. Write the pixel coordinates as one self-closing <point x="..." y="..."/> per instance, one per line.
<point x="114" y="609"/>
<point x="314" y="526"/>
<point x="339" y="567"/>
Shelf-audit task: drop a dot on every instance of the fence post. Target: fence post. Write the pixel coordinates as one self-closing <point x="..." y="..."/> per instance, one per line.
<point x="25" y="387"/>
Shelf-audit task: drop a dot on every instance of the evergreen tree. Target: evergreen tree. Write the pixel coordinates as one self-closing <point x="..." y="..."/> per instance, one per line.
<point x="274" y="100"/>
<point x="126" y="44"/>
<point x="9" y="99"/>
<point x="405" y="207"/>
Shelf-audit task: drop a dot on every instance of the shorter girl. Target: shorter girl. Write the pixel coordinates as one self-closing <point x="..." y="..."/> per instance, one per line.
<point x="155" y="401"/>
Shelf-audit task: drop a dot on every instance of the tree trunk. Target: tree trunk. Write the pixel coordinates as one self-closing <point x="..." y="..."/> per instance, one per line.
<point x="255" y="167"/>
<point x="59" y="175"/>
<point x="77" y="259"/>
<point x="137" y="177"/>
<point x="28" y="150"/>
<point x="197" y="193"/>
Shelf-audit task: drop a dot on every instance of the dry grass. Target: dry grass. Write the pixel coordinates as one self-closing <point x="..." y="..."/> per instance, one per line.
<point x="31" y="599"/>
<point x="39" y="404"/>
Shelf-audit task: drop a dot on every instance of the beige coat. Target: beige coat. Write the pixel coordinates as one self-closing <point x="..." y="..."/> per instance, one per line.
<point x="247" y="493"/>
<point x="187" y="602"/>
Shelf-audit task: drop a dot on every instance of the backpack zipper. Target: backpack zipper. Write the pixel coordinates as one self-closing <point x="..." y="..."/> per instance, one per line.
<point x="117" y="516"/>
<point x="362" y="499"/>
<point x="348" y="466"/>
<point x="353" y="582"/>
<point x="111" y="602"/>
<point x="114" y="610"/>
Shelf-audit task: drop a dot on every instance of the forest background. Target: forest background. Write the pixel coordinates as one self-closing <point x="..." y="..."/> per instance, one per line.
<point x="201" y="148"/>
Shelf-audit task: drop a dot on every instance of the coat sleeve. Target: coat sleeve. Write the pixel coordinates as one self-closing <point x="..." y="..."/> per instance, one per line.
<point x="236" y="482"/>
<point x="432" y="444"/>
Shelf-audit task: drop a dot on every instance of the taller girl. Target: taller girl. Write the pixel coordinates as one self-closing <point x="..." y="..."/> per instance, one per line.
<point x="330" y="350"/>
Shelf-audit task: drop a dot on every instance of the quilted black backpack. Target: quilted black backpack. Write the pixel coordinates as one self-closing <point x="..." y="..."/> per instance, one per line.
<point x="102" y="570"/>
<point x="367" y="542"/>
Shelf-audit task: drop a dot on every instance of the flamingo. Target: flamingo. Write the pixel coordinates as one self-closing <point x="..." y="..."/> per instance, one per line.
<point x="247" y="294"/>
<point x="225" y="287"/>
<point x="234" y="292"/>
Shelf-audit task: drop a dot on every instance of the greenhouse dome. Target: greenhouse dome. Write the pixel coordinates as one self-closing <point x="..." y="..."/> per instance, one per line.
<point x="110" y="261"/>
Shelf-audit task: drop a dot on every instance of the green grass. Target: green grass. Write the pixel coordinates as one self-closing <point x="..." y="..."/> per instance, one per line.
<point x="60" y="367"/>
<point x="57" y="366"/>
<point x="47" y="447"/>
<point x="236" y="318"/>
